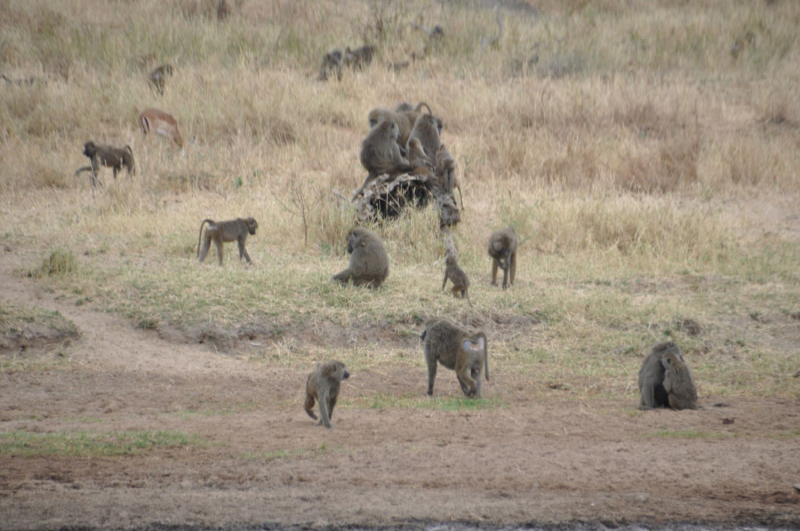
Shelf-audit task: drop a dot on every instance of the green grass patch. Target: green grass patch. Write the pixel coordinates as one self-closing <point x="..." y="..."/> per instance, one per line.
<point x="91" y="444"/>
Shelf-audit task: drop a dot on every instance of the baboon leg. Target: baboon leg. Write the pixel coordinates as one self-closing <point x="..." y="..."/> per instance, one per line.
<point x="343" y="277"/>
<point x="494" y="272"/>
<point x="243" y="251"/>
<point x="323" y="411"/>
<point x="431" y="376"/>
<point x="505" y="277"/>
<point x="218" y="243"/>
<point x="330" y="408"/>
<point x="457" y="292"/>
<point x="115" y="170"/>
<point x="444" y="282"/>
<point x="468" y="385"/>
<point x="206" y="245"/>
<point x="647" y="400"/>
<point x="309" y="406"/>
<point x="513" y="266"/>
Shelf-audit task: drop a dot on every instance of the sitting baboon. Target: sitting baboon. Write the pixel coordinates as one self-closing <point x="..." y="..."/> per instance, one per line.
<point x="108" y="156"/>
<point x="369" y="262"/>
<point x="404" y="119"/>
<point x="651" y="376"/>
<point x="426" y="129"/>
<point x="331" y="63"/>
<point x="458" y="350"/>
<point x="226" y="231"/>
<point x="503" y="250"/>
<point x="380" y="154"/>
<point x="457" y="277"/>
<point x="323" y="386"/>
<point x="158" y="77"/>
<point x="678" y="381"/>
<point x="360" y="57"/>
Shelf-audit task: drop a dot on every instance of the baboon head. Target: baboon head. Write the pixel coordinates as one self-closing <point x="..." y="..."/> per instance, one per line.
<point x="252" y="225"/>
<point x="336" y="371"/>
<point x="89" y="149"/>
<point x="671" y="359"/>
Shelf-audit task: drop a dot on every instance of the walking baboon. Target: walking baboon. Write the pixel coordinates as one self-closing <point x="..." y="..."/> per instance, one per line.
<point x="457" y="277"/>
<point x="360" y="57"/>
<point x="331" y="63"/>
<point x="380" y="153"/>
<point x="158" y="77"/>
<point x="417" y="157"/>
<point x="108" y="156"/>
<point x="369" y="262"/>
<point x="426" y="129"/>
<point x="404" y="119"/>
<point x="445" y="170"/>
<point x="458" y="350"/>
<point x="678" y="381"/>
<point x="323" y="386"/>
<point x="226" y="231"/>
<point x="503" y="250"/>
<point x="651" y="376"/>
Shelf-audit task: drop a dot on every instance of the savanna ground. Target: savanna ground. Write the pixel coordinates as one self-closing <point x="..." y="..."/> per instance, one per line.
<point x="647" y="153"/>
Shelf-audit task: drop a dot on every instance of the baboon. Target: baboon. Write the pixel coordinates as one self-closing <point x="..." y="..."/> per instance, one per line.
<point x="404" y="119"/>
<point x="223" y="232"/>
<point x="403" y="106"/>
<point x="426" y="129"/>
<point x="161" y="123"/>
<point x="323" y="386"/>
<point x="369" y="263"/>
<point x="158" y="77"/>
<point x="380" y="153"/>
<point x="331" y="63"/>
<point x="458" y="350"/>
<point x="223" y="10"/>
<point x="417" y="157"/>
<point x="108" y="156"/>
<point x="457" y="277"/>
<point x="651" y="376"/>
<point x="678" y="381"/>
<point x="398" y="66"/>
<point x="503" y="250"/>
<point x="360" y="57"/>
<point x="445" y="170"/>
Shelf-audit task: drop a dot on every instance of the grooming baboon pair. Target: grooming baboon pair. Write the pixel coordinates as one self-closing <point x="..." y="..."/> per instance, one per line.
<point x="335" y="61"/>
<point x="665" y="379"/>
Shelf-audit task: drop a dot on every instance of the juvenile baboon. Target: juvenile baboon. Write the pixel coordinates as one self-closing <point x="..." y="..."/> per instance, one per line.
<point x="417" y="157"/>
<point x="445" y="170"/>
<point x="226" y="231"/>
<point x="457" y="277"/>
<point x="323" y="386"/>
<point x="380" y="153"/>
<point x="426" y="129"/>
<point x="331" y="63"/>
<point x="678" y="381"/>
<point x="162" y="124"/>
<point x="503" y="250"/>
<point x="108" y="156"/>
<point x="369" y="262"/>
<point x="360" y="57"/>
<point x="458" y="350"/>
<point x="158" y="77"/>
<point x="404" y="119"/>
<point x="651" y="376"/>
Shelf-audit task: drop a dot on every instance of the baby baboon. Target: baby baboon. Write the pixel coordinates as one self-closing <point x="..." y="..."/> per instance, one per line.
<point x="404" y="119"/>
<point x="417" y="157"/>
<point x="360" y="57"/>
<point x="503" y="250"/>
<point x="678" y="381"/>
<point x="651" y="376"/>
<point x="457" y="277"/>
<point x="331" y="63"/>
<point x="226" y="231"/>
<point x="158" y="77"/>
<point x="369" y="263"/>
<point x="380" y="153"/>
<point x="456" y="349"/>
<point x="108" y="156"/>
<point x="445" y="170"/>
<point x="426" y="129"/>
<point x="323" y="386"/>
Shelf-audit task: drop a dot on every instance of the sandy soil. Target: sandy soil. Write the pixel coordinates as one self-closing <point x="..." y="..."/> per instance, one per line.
<point x="264" y="460"/>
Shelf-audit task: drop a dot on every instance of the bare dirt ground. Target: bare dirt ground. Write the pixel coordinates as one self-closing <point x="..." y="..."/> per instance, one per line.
<point x="264" y="461"/>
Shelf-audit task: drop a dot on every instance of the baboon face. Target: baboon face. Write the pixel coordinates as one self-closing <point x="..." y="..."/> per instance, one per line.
<point x="336" y="371"/>
<point x="89" y="149"/>
<point x="450" y="261"/>
<point x="353" y="239"/>
<point x="671" y="359"/>
<point x="252" y="225"/>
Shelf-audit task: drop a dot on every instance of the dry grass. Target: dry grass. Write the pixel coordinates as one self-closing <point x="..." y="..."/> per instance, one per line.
<point x="646" y="152"/>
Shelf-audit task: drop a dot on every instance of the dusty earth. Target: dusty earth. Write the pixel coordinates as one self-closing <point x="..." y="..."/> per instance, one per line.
<point x="263" y="462"/>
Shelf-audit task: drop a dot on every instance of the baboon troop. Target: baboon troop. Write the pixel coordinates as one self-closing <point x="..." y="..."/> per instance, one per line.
<point x="380" y="153"/>
<point x="158" y="77"/>
<point x="456" y="349"/>
<point x="503" y="250"/>
<point x="323" y="386"/>
<point x="108" y="156"/>
<point x="369" y="262"/>
<point x="224" y="232"/>
<point x="665" y="380"/>
<point x="457" y="277"/>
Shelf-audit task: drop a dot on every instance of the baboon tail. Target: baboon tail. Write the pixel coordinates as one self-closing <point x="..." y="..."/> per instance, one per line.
<point x="308" y="407"/>
<point x="424" y="333"/>
<point x="200" y="236"/>
<point x="486" y="359"/>
<point x="419" y="107"/>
